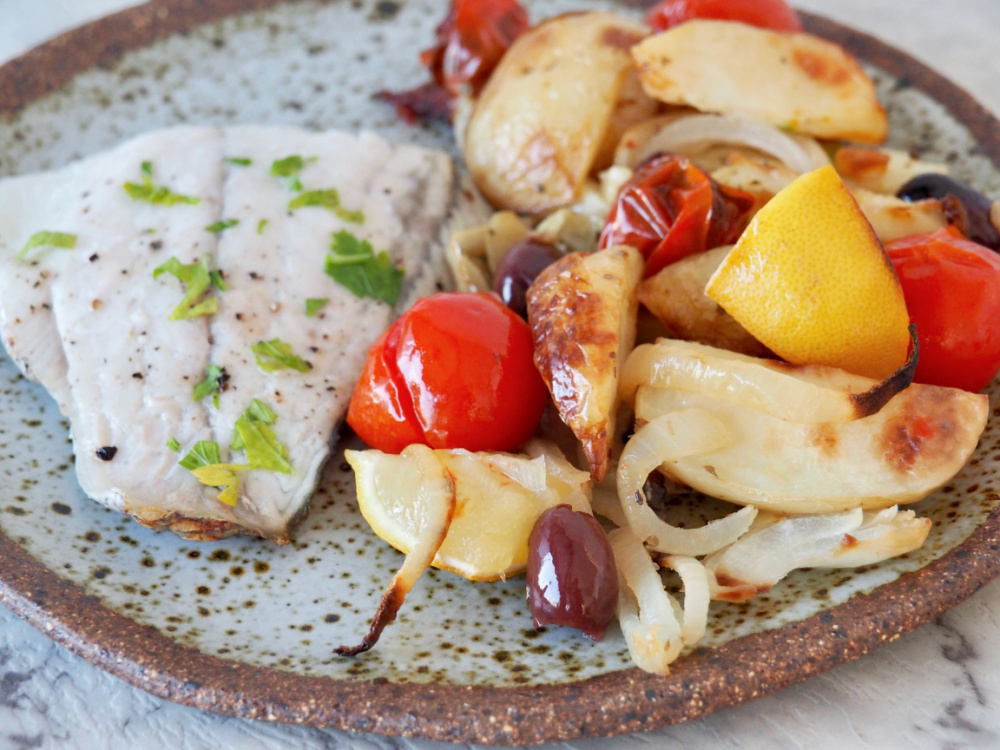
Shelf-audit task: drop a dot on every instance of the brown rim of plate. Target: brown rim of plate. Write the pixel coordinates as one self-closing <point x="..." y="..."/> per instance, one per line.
<point x="614" y="703"/>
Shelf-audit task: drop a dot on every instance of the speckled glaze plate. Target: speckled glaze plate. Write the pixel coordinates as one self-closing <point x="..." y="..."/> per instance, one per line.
<point x="247" y="628"/>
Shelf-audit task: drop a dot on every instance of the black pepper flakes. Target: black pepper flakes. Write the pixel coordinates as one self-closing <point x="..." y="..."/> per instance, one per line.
<point x="107" y="452"/>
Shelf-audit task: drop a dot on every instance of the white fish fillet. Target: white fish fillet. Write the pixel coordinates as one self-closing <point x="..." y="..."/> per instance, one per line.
<point x="91" y="324"/>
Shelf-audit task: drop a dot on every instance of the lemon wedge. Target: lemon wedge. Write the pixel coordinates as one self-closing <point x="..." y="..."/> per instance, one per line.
<point x="498" y="498"/>
<point x="810" y="281"/>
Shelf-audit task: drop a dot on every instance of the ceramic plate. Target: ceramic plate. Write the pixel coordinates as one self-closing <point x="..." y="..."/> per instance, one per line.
<point x="247" y="628"/>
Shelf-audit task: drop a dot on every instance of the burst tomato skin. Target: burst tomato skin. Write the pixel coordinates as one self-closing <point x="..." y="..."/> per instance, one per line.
<point x="670" y="209"/>
<point x="952" y="291"/>
<point x="775" y="15"/>
<point x="455" y="371"/>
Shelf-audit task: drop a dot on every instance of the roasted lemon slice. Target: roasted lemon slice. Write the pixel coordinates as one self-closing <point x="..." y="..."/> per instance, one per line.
<point x="498" y="498"/>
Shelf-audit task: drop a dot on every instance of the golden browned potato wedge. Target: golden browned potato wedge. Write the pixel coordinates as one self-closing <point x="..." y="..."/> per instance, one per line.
<point x="676" y="296"/>
<point x="793" y="80"/>
<point x="582" y="311"/>
<point x="556" y="104"/>
<point x="881" y="170"/>
<point x="913" y="445"/>
<point x="892" y="217"/>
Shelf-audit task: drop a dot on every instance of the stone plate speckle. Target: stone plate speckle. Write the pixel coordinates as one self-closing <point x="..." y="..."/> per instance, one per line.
<point x="247" y="628"/>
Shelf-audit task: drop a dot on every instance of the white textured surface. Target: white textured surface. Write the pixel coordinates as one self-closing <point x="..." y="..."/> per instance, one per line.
<point x="937" y="688"/>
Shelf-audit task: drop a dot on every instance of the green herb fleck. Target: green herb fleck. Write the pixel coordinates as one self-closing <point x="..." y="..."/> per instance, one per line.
<point x="52" y="239"/>
<point x="221" y="226"/>
<point x="263" y="449"/>
<point x="260" y="226"/>
<point x="353" y="264"/>
<point x="224" y="476"/>
<point x="214" y="383"/>
<point x="259" y="413"/>
<point x="328" y="199"/>
<point x="174" y="444"/>
<point x="198" y="276"/>
<point x="240" y="161"/>
<point x="289" y="168"/>
<point x="314" y="305"/>
<point x="277" y="355"/>
<point x="204" y="453"/>
<point x="150" y="193"/>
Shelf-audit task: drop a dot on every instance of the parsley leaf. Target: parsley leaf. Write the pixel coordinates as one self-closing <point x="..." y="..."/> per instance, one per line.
<point x="261" y="225"/>
<point x="277" y="355"/>
<point x="214" y="383"/>
<point x="221" y="226"/>
<point x="240" y="161"/>
<point x="174" y="444"/>
<point x="150" y="193"/>
<point x="314" y="305"/>
<point x="289" y="168"/>
<point x="54" y="239"/>
<point x="198" y="276"/>
<point x="204" y="453"/>
<point x="221" y="475"/>
<point x="328" y="199"/>
<point x="258" y="412"/>
<point x="353" y="264"/>
<point x="263" y="449"/>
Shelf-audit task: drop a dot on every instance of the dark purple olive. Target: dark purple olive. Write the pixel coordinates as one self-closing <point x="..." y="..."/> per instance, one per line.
<point x="572" y="576"/>
<point x="518" y="269"/>
<point x="964" y="206"/>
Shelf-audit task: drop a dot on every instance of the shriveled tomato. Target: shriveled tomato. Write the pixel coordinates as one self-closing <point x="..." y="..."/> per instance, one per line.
<point x="670" y="209"/>
<point x="455" y="371"/>
<point x="469" y="43"/>
<point x="767" y="14"/>
<point x="952" y="291"/>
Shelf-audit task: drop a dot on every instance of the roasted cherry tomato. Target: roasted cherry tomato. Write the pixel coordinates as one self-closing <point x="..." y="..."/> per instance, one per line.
<point x="455" y="371"/>
<point x="469" y="43"/>
<point x="767" y="14"/>
<point x="952" y="291"/>
<point x="670" y="209"/>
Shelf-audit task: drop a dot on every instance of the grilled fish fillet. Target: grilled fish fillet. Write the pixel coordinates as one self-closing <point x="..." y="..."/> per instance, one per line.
<point x="91" y="323"/>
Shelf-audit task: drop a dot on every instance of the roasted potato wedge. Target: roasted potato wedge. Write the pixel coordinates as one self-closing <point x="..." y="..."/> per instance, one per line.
<point x="676" y="296"/>
<point x="793" y="80"/>
<point x="557" y="103"/>
<point x="914" y="444"/>
<point x="881" y="170"/>
<point x="582" y="311"/>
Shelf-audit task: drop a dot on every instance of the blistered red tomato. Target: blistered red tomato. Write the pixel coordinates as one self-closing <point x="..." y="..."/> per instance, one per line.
<point x="455" y="371"/>
<point x="952" y="291"/>
<point x="767" y="14"/>
<point x="670" y="209"/>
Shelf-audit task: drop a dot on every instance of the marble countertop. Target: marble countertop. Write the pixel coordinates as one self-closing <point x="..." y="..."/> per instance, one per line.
<point x="938" y="687"/>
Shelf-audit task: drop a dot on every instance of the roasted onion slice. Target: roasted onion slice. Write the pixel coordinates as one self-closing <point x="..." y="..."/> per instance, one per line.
<point x="688" y="432"/>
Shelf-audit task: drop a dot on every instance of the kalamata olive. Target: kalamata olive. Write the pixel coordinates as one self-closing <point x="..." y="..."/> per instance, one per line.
<point x="572" y="576"/>
<point x="518" y="269"/>
<point x="964" y="206"/>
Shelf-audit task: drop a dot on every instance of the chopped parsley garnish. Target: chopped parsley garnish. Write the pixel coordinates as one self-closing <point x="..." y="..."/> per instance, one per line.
<point x="150" y="193"/>
<point x="260" y="226"/>
<point x="277" y="355"/>
<point x="224" y="476"/>
<point x="240" y="161"/>
<point x="258" y="413"/>
<point x="204" y="453"/>
<point x="354" y="264"/>
<point x="251" y="434"/>
<point x="52" y="239"/>
<point x="221" y="226"/>
<point x="328" y="199"/>
<point x="174" y="444"/>
<point x="314" y="305"/>
<point x="289" y="168"/>
<point x="199" y="277"/>
<point x="214" y="384"/>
